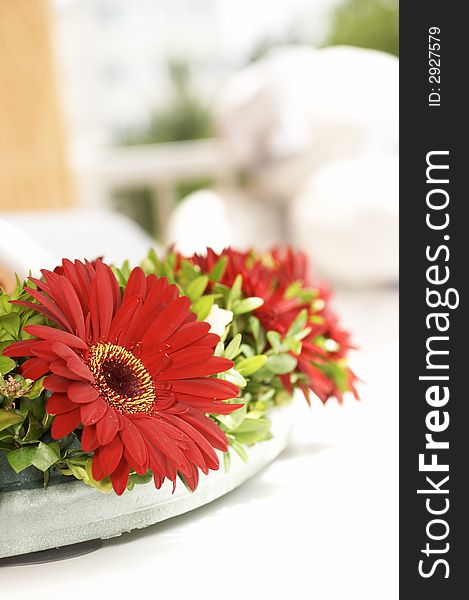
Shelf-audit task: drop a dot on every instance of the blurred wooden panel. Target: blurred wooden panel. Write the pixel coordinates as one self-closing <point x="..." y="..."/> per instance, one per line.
<point x="33" y="170"/>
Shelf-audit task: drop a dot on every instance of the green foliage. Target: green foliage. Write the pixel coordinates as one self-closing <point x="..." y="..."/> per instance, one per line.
<point x="264" y="363"/>
<point x="248" y="366"/>
<point x="186" y="118"/>
<point x="79" y="466"/>
<point x="366" y="23"/>
<point x="6" y="365"/>
<point x="42" y="456"/>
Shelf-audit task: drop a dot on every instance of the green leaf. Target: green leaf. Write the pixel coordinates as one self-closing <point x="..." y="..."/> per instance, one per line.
<point x="34" y="431"/>
<point x="234" y="377"/>
<point x="240" y="451"/>
<point x="280" y="364"/>
<point x="202" y="307"/>
<point x="254" y="326"/>
<point x="234" y="419"/>
<point x="9" y="418"/>
<point x="119" y="276"/>
<point x="20" y="459"/>
<point x="188" y="270"/>
<point x="136" y="479"/>
<point x="11" y="324"/>
<point x="104" y="485"/>
<point x="218" y="269"/>
<point x="168" y="272"/>
<point x="184" y="481"/>
<point x="235" y="291"/>
<point x="252" y="430"/>
<point x="6" y="365"/>
<point x="298" y="324"/>
<point x="258" y="333"/>
<point x="248" y="366"/>
<point x="247" y="350"/>
<point x="241" y="307"/>
<point x="275" y="340"/>
<point x="45" y="455"/>
<point x="233" y="348"/>
<point x="295" y="345"/>
<point x="36" y="389"/>
<point x="226" y="461"/>
<point x="4" y="344"/>
<point x="337" y="371"/>
<point x="197" y="287"/>
<point x="219" y="349"/>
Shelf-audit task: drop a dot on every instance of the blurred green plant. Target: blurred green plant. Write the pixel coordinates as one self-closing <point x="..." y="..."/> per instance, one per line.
<point x="291" y="37"/>
<point x="185" y="118"/>
<point x="370" y="24"/>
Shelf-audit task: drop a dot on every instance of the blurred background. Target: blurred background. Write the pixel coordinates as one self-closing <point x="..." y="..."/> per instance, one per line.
<point x="205" y="122"/>
<point x="125" y="124"/>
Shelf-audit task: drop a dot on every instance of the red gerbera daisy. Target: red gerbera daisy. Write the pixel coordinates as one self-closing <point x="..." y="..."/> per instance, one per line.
<point x="258" y="279"/>
<point x="269" y="278"/>
<point x="133" y="370"/>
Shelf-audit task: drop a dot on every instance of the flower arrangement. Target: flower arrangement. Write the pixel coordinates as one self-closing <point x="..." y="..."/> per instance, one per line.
<point x="116" y="376"/>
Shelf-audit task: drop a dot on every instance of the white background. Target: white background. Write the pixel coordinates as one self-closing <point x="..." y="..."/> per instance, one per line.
<point x="320" y="522"/>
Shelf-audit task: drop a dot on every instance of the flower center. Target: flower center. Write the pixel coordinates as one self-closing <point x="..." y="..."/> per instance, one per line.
<point x="121" y="378"/>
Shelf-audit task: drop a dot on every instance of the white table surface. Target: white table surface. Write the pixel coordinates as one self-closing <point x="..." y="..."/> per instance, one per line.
<point x="320" y="522"/>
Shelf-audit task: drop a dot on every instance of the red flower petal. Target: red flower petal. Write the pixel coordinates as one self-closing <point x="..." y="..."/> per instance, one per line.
<point x="170" y="294"/>
<point x="167" y="322"/>
<point x="24" y="348"/>
<point x="58" y="367"/>
<point x="207" y="405"/>
<point x="187" y="334"/>
<point x="44" y="350"/>
<point x="93" y="411"/>
<point x="61" y="350"/>
<point x="59" y="404"/>
<point x="49" y="308"/>
<point x="151" y="308"/>
<point x="109" y="456"/>
<point x="134" y="443"/>
<point x="102" y="300"/>
<point x="82" y="393"/>
<point x="49" y="333"/>
<point x="153" y="429"/>
<point x="136" y="285"/>
<point x="107" y="427"/>
<point x="89" y="438"/>
<point x="79" y="368"/>
<point x="97" y="469"/>
<point x="192" y="478"/>
<point x="55" y="383"/>
<point x="34" y="368"/>
<point x="74" y="305"/>
<point x="189" y="356"/>
<point x="126" y="312"/>
<point x="64" y="424"/>
<point x="208" y="428"/>
<point x="216" y="364"/>
<point x="209" y="388"/>
<point x="162" y="333"/>
<point x="157" y="364"/>
<point x="202" y="442"/>
<point x="120" y="477"/>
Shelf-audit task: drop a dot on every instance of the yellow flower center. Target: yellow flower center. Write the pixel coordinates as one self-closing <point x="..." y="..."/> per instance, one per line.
<point x="121" y="378"/>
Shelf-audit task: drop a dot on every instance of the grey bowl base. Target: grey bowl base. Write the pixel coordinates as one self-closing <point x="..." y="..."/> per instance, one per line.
<point x="42" y="519"/>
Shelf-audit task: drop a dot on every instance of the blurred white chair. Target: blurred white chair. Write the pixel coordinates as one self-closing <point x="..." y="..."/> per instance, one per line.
<point x="222" y="218"/>
<point x="30" y="241"/>
<point x="299" y="108"/>
<point x="346" y="218"/>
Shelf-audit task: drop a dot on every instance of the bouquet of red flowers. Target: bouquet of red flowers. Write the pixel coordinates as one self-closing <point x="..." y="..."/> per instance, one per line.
<point x="116" y="376"/>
